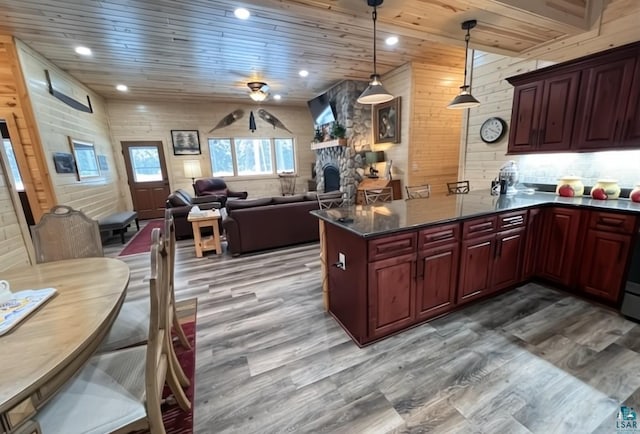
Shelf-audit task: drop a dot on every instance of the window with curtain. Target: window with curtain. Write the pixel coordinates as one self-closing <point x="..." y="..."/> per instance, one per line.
<point x="251" y="156"/>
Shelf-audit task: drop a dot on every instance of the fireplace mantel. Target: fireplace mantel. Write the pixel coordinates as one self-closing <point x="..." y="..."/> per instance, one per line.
<point x="329" y="144"/>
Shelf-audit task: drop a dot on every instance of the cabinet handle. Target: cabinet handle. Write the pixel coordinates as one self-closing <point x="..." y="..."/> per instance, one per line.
<point x="610" y="222"/>
<point x="481" y="226"/>
<point x="514" y="219"/>
<point x="440" y="237"/>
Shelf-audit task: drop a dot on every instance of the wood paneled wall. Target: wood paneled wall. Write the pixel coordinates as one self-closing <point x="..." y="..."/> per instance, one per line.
<point x="153" y="120"/>
<point x="430" y="133"/>
<point x="57" y="121"/>
<point x="482" y="161"/>
<point x="435" y="130"/>
<point x="15" y="102"/>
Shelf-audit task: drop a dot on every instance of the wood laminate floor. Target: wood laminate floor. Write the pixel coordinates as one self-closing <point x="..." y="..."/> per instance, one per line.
<point x="270" y="360"/>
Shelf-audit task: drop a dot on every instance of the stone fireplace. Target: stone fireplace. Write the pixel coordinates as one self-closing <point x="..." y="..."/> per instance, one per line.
<point x="348" y="160"/>
<point x="340" y="162"/>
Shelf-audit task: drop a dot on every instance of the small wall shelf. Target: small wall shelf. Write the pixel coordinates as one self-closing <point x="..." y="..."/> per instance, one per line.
<point x="329" y="144"/>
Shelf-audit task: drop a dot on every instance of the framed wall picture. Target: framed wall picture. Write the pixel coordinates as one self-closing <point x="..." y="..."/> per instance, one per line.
<point x="386" y="122"/>
<point x="185" y="142"/>
<point x="86" y="160"/>
<point x="102" y="163"/>
<point x="63" y="162"/>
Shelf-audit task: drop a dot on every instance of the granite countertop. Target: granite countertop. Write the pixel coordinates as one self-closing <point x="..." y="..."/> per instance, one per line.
<point x="386" y="218"/>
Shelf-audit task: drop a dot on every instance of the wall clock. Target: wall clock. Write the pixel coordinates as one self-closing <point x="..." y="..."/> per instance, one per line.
<point x="493" y="129"/>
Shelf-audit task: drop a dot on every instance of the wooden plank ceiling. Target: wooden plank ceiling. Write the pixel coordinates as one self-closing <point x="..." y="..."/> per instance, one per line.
<point x="198" y="49"/>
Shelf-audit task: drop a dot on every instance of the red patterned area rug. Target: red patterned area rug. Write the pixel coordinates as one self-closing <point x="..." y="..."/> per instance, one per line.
<point x="141" y="242"/>
<point x="175" y="420"/>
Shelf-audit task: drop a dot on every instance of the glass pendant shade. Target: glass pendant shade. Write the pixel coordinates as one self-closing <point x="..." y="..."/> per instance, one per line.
<point x="463" y="100"/>
<point x="258" y="95"/>
<point x="374" y="93"/>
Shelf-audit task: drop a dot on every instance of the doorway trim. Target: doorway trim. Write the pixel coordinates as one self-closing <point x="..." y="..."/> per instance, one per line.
<point x="14" y="136"/>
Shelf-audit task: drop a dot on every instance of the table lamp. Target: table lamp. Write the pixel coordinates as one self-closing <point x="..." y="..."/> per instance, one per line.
<point x="192" y="170"/>
<point x="371" y="158"/>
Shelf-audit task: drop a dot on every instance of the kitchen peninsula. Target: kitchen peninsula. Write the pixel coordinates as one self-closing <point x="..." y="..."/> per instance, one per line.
<point x="388" y="267"/>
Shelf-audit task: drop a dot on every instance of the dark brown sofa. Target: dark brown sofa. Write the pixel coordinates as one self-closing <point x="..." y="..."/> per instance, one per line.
<point x="179" y="203"/>
<point x="266" y="223"/>
<point x="217" y="188"/>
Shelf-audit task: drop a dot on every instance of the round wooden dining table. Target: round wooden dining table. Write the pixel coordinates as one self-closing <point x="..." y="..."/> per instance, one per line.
<point x="46" y="348"/>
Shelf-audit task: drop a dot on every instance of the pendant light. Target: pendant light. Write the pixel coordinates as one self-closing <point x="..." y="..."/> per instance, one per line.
<point x="465" y="99"/>
<point x="374" y="93"/>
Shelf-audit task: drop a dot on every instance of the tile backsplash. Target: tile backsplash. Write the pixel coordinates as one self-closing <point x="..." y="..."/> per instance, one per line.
<point x="548" y="168"/>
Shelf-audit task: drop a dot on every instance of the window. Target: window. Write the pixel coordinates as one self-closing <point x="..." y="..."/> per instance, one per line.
<point x="145" y="163"/>
<point x="251" y="157"/>
<point x="13" y="164"/>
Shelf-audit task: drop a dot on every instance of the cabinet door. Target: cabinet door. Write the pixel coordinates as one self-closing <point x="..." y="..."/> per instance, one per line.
<point x="605" y="94"/>
<point x="436" y="280"/>
<point x="604" y="259"/>
<point x="476" y="266"/>
<point x="525" y="117"/>
<point x="631" y="130"/>
<point x="391" y="293"/>
<point x="508" y="259"/>
<point x="559" y="100"/>
<point x="560" y="235"/>
<point x="534" y="233"/>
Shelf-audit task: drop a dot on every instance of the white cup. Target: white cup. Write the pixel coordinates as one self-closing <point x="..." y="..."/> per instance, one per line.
<point x="5" y="291"/>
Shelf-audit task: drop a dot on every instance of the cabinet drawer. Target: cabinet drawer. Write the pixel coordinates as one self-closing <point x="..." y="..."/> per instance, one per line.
<point x="393" y="245"/>
<point x="512" y="220"/>
<point x="437" y="236"/>
<point x="478" y="227"/>
<point x="612" y="222"/>
<point x="19" y="413"/>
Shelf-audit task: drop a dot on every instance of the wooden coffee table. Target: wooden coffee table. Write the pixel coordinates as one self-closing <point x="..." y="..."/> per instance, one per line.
<point x="206" y="219"/>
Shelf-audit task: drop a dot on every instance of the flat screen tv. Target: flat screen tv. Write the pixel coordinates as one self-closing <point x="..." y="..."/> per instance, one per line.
<point x="321" y="109"/>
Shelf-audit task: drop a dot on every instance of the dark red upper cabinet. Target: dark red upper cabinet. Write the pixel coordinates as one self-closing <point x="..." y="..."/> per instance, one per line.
<point x="543" y="114"/>
<point x="631" y="127"/>
<point x="525" y="117"/>
<point x="587" y="104"/>
<point x="603" y="104"/>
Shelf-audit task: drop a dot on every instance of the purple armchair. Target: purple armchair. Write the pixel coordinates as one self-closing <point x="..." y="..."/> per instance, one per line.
<point x="218" y="188"/>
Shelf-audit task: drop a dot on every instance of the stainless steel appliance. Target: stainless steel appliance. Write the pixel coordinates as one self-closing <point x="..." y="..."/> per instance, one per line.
<point x="631" y="301"/>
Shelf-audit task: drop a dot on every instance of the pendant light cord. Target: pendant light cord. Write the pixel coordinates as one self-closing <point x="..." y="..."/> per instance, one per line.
<point x="374" y="15"/>
<point x="466" y="53"/>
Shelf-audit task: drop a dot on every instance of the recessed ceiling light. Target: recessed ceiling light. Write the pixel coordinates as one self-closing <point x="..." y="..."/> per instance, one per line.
<point x="303" y="73"/>
<point x="85" y="51"/>
<point x="242" y="13"/>
<point x="391" y="40"/>
<point x="122" y="87"/>
<point x="277" y="97"/>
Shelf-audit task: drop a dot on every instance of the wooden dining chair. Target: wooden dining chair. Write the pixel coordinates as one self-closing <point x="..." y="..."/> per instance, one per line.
<point x="133" y="318"/>
<point x="377" y="195"/>
<point x="418" y="191"/>
<point x="458" y="187"/>
<point x="65" y="233"/>
<point x="119" y="391"/>
<point x="170" y="248"/>
<point x="332" y="199"/>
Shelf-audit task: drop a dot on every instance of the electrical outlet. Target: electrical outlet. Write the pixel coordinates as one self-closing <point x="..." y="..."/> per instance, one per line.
<point x="342" y="259"/>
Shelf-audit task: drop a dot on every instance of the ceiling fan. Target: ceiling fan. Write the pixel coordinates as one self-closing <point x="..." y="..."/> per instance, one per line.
<point x="259" y="90"/>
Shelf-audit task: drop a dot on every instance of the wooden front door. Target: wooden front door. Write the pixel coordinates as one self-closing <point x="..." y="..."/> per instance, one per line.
<point x="147" y="174"/>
